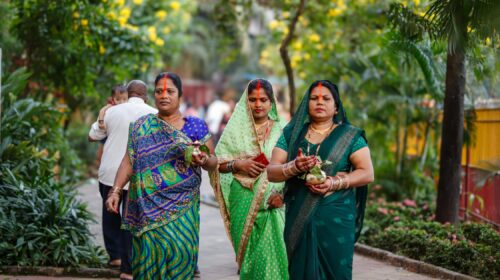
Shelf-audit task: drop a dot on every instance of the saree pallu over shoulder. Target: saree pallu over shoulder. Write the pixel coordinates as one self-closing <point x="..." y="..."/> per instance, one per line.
<point x="161" y="187"/>
<point x="303" y="204"/>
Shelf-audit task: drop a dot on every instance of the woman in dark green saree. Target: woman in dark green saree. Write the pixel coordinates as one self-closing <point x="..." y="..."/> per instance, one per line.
<point x="323" y="215"/>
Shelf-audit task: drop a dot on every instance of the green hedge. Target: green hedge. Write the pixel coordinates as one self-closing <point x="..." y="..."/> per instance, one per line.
<point x="408" y="229"/>
<point x="41" y="221"/>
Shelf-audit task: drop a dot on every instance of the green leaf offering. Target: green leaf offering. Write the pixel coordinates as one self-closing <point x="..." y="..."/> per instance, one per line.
<point x="188" y="155"/>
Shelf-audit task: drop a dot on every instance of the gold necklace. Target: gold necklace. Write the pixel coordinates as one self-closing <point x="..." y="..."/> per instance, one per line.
<point x="322" y="131"/>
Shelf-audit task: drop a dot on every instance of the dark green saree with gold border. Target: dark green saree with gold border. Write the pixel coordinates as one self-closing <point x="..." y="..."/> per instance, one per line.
<point x="320" y="231"/>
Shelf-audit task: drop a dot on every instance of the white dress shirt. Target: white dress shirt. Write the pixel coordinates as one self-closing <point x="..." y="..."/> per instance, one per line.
<point x="117" y="120"/>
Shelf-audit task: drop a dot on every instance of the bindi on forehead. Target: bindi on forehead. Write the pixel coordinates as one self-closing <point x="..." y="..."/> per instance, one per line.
<point x="258" y="89"/>
<point x="320" y="91"/>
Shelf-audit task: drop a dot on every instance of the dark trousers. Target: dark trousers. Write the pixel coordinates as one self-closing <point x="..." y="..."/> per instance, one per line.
<point x="118" y="242"/>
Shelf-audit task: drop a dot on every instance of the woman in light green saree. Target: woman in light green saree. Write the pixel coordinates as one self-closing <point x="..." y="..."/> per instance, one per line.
<point x="251" y="206"/>
<point x="323" y="218"/>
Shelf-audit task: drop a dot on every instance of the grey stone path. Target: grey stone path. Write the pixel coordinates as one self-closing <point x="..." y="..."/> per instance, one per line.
<point x="216" y="259"/>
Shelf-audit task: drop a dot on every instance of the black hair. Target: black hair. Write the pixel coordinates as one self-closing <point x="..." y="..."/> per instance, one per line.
<point x="173" y="77"/>
<point x="118" y="88"/>
<point x="264" y="84"/>
<point x="331" y="87"/>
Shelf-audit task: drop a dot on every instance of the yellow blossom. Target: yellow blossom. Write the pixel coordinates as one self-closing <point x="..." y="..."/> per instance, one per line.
<point x="85" y="22"/>
<point x="404" y="3"/>
<point x="297" y="46"/>
<point x="125" y="12"/>
<point x="76" y="15"/>
<point x="378" y="31"/>
<point x="469" y="29"/>
<point x="422" y="14"/>
<point x="166" y="30"/>
<point x="152" y="33"/>
<point x="302" y="74"/>
<point x="314" y="38"/>
<point x="334" y="12"/>
<point x="175" y="5"/>
<point x="111" y="15"/>
<point x="264" y="54"/>
<point x="307" y="56"/>
<point x="319" y="47"/>
<point x="132" y="27"/>
<point x="273" y="24"/>
<point x="341" y="5"/>
<point x="122" y="21"/>
<point x="286" y="14"/>
<point x="416" y="2"/>
<point x="137" y="2"/>
<point x="102" y="49"/>
<point x="120" y="2"/>
<point x="488" y="41"/>
<point x="159" y="42"/>
<point x="161" y="15"/>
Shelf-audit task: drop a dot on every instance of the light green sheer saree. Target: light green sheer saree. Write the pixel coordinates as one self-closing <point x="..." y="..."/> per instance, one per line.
<point x="255" y="231"/>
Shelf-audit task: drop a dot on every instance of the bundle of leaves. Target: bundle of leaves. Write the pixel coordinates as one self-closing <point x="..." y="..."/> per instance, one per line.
<point x="407" y="228"/>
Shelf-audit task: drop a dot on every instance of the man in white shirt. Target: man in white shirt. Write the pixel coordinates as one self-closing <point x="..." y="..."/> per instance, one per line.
<point x="117" y="119"/>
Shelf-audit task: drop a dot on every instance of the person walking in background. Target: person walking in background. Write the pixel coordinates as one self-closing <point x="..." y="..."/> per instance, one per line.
<point x="324" y="212"/>
<point x="164" y="196"/>
<point x="216" y="111"/>
<point x="119" y="95"/>
<point x="251" y="206"/>
<point x="116" y="121"/>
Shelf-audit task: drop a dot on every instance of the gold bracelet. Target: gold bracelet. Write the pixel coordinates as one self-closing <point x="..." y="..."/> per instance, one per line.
<point x="347" y="181"/>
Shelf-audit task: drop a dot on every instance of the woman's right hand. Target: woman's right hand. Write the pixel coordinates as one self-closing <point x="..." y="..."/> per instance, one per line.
<point x="112" y="203"/>
<point x="305" y="163"/>
<point x="249" y="167"/>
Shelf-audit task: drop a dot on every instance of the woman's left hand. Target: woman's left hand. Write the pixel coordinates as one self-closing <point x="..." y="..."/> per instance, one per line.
<point x="322" y="188"/>
<point x="200" y="159"/>
<point x="275" y="201"/>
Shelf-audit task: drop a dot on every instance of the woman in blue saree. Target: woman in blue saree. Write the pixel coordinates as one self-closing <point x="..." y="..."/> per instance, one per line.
<point x="323" y="218"/>
<point x="163" y="203"/>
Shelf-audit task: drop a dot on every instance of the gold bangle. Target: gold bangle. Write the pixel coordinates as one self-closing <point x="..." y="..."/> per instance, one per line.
<point x="347" y="181"/>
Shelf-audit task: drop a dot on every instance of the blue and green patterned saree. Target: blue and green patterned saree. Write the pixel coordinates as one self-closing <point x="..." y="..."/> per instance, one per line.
<point x="163" y="201"/>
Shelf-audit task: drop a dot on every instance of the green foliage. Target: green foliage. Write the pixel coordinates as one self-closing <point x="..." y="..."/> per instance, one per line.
<point x="408" y="229"/>
<point x="43" y="224"/>
<point x="41" y="221"/>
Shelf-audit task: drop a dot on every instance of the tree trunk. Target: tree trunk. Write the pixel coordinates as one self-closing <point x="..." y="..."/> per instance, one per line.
<point x="286" y="58"/>
<point x="451" y="139"/>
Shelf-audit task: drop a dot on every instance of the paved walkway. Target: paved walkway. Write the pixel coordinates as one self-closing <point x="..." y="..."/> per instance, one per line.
<point x="216" y="259"/>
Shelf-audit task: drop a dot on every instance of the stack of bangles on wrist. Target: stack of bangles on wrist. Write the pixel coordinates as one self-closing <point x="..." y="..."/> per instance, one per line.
<point x="290" y="169"/>
<point x="340" y="182"/>
<point x="230" y="166"/>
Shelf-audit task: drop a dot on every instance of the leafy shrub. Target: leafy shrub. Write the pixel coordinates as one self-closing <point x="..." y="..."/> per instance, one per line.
<point x="407" y="228"/>
<point x="41" y="221"/>
<point x="43" y="224"/>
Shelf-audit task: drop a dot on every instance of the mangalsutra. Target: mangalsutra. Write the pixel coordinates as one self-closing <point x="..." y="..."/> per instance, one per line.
<point x="261" y="133"/>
